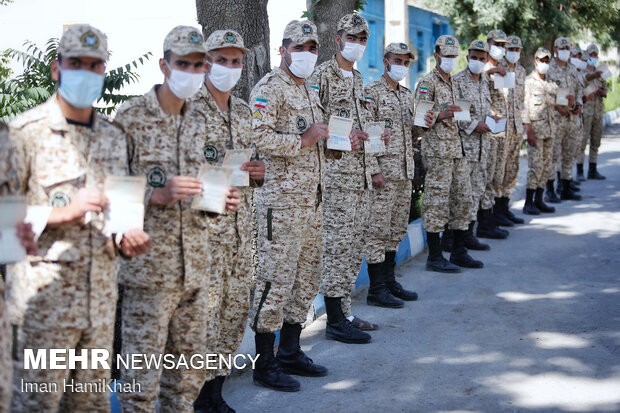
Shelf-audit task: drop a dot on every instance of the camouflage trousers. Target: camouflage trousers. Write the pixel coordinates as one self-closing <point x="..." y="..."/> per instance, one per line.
<point x="289" y="265"/>
<point x="447" y="194"/>
<point x="592" y="134"/>
<point x="564" y="143"/>
<point x="345" y="221"/>
<point x="539" y="162"/>
<point x="389" y="217"/>
<point x="229" y="300"/>
<point x="6" y="365"/>
<point x="511" y="171"/>
<point x="488" y="197"/>
<point x="503" y="143"/>
<point x="99" y="337"/>
<point x="163" y="322"/>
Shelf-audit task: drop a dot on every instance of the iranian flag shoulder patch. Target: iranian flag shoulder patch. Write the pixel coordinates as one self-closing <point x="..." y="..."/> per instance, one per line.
<point x="315" y="88"/>
<point x="367" y="99"/>
<point x="423" y="91"/>
<point x="260" y="103"/>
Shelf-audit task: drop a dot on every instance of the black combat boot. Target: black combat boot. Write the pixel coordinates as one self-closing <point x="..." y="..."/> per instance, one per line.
<point x="580" y="176"/>
<point x="473" y="243"/>
<point x="378" y="293"/>
<point x="338" y="327"/>
<point x="436" y="261"/>
<point x="459" y="254"/>
<point x="487" y="227"/>
<point x="290" y="356"/>
<point x="267" y="372"/>
<point x="509" y="214"/>
<point x="567" y="193"/>
<point x="210" y="398"/>
<point x="447" y="238"/>
<point x="574" y="185"/>
<point x="498" y="213"/>
<point x="529" y="208"/>
<point x="593" y="173"/>
<point x="203" y="403"/>
<point x="397" y="290"/>
<point x="540" y="204"/>
<point x="550" y="195"/>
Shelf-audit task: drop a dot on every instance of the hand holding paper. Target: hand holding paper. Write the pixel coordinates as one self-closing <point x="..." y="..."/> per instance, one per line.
<point x="375" y="143"/>
<point x="215" y="188"/>
<point x="464" y="114"/>
<point x="234" y="159"/>
<point x="339" y="132"/>
<point x="495" y="126"/>
<point x="421" y="110"/>
<point x="126" y="203"/>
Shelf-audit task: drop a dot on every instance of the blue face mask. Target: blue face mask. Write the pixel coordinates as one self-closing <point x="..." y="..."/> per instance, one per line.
<point x="80" y="88"/>
<point x="592" y="61"/>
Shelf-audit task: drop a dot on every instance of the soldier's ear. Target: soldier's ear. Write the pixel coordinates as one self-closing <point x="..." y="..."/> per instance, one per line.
<point x="55" y="70"/>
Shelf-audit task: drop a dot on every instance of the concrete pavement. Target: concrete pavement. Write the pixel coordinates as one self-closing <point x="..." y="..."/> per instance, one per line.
<point x="538" y="329"/>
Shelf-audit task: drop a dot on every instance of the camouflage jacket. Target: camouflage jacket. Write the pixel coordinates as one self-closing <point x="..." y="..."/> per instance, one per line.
<point x="566" y="77"/>
<point x="344" y="97"/>
<point x="395" y="108"/>
<point x="595" y="105"/>
<point x="514" y="97"/>
<point x="499" y="100"/>
<point x="442" y="140"/>
<point x="539" y="105"/>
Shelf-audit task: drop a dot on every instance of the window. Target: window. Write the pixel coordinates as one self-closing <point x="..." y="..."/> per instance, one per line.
<point x="421" y="52"/>
<point x="372" y="50"/>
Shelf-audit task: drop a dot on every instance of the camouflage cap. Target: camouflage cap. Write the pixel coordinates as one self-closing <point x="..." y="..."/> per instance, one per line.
<point x="514" y="41"/>
<point x="448" y="45"/>
<point x="575" y="49"/>
<point x="83" y="40"/>
<point x="498" y="36"/>
<point x="183" y="40"/>
<point x="220" y="39"/>
<point x="561" y="42"/>
<point x="400" y="48"/>
<point x="354" y="24"/>
<point x="479" y="45"/>
<point x="301" y="31"/>
<point x="542" y="53"/>
<point x="592" y="49"/>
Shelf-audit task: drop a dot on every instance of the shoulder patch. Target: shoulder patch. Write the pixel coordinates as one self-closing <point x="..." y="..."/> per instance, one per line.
<point x="260" y="103"/>
<point x="315" y="88"/>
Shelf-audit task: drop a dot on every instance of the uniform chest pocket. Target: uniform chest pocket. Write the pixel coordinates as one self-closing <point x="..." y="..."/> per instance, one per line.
<point x="538" y="97"/>
<point x="60" y="191"/>
<point x="158" y="168"/>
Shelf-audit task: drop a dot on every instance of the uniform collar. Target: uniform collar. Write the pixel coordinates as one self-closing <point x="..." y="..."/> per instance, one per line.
<point x="152" y="103"/>
<point x="285" y="76"/>
<point x="57" y="119"/>
<point x="208" y="98"/>
<point x="333" y="64"/>
<point x="440" y="77"/>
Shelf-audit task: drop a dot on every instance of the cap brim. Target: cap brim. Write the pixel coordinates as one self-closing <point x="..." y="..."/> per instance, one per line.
<point x="184" y="51"/>
<point x="449" y="50"/>
<point x="243" y="49"/>
<point x="362" y="29"/>
<point x="304" y="39"/>
<point x="85" y="53"/>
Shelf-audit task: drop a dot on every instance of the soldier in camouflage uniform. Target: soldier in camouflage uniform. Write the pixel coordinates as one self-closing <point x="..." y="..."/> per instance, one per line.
<point x="473" y="87"/>
<point x="565" y="75"/>
<point x="288" y="126"/>
<point x="487" y="223"/>
<point x="447" y="189"/>
<point x="390" y="203"/>
<point x="539" y="105"/>
<point x="514" y="98"/>
<point x="347" y="182"/>
<point x="576" y="59"/>
<point x="593" y="111"/>
<point x="64" y="152"/>
<point x="165" y="298"/>
<point x="229" y="127"/>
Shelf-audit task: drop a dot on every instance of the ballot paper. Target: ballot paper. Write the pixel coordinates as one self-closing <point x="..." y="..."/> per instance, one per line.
<point x="374" y="144"/>
<point x="215" y="183"/>
<point x="496" y="127"/>
<point x="339" y="131"/>
<point x="464" y="114"/>
<point x="592" y="87"/>
<point x="422" y="107"/>
<point x="504" y="82"/>
<point x="126" y="208"/>
<point x="12" y="212"/>
<point x="562" y="96"/>
<point x="234" y="159"/>
<point x="605" y="72"/>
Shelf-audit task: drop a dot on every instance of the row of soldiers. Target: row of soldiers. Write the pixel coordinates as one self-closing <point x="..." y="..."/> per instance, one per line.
<point x="187" y="276"/>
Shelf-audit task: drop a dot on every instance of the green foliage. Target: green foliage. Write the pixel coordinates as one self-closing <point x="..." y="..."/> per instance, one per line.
<point x="612" y="101"/>
<point x="308" y="14"/>
<point x="35" y="84"/>
<point x="5" y="70"/>
<point x="537" y="22"/>
<point x="5" y="2"/>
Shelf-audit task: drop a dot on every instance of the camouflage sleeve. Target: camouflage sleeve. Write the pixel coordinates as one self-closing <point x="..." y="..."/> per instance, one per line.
<point x="266" y="103"/>
<point x="578" y="89"/>
<point x="372" y="115"/>
<point x="424" y="91"/>
<point x="527" y="97"/>
<point x="22" y="157"/>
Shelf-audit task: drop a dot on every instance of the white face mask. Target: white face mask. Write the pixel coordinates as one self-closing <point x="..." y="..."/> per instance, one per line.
<point x="476" y="66"/>
<point x="224" y="78"/>
<point x="576" y="62"/>
<point x="397" y="72"/>
<point x="513" y="57"/>
<point x="592" y="61"/>
<point x="497" y="52"/>
<point x="352" y="51"/>
<point x="302" y="64"/>
<point x="448" y="64"/>
<point x="542" y="68"/>
<point x="563" y="55"/>
<point x="184" y="85"/>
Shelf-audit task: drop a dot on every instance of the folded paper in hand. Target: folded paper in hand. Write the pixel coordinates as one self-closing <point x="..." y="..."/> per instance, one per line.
<point x="126" y="208"/>
<point x="605" y="72"/>
<point x="339" y="131"/>
<point x="12" y="212"/>
<point x="496" y="127"/>
<point x="464" y="114"/>
<point x="504" y="82"/>
<point x="374" y="144"/>
<point x="215" y="183"/>
<point x="234" y="159"/>
<point x="562" y="96"/>
<point x="592" y="87"/>
<point x="421" y="109"/>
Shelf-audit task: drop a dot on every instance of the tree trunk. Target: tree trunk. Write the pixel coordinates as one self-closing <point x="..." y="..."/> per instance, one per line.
<point x="326" y="15"/>
<point x="249" y="18"/>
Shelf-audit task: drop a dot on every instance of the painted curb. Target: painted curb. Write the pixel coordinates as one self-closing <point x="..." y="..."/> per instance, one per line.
<point x="610" y="116"/>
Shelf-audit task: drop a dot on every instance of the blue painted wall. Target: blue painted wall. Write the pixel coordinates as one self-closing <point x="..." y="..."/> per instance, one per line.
<point x="371" y="64"/>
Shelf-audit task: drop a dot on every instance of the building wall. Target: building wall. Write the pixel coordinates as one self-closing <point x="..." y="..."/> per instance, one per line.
<point x="371" y="64"/>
